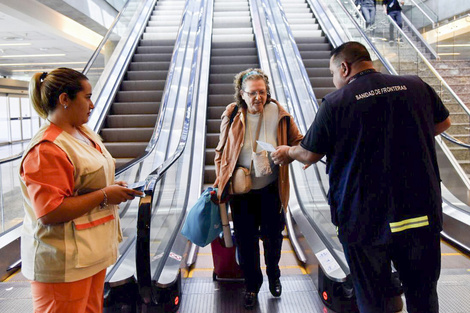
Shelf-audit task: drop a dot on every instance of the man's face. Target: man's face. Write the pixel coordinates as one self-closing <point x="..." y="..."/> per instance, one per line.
<point x="338" y="72"/>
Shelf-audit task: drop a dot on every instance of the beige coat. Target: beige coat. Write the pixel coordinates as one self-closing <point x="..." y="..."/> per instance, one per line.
<point x="231" y="142"/>
<point x="82" y="247"/>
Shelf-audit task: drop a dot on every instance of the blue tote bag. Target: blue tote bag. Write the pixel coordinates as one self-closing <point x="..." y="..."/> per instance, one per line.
<point x="203" y="224"/>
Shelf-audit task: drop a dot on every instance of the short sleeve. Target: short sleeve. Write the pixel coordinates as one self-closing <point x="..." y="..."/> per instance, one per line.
<point x="48" y="175"/>
<point x="318" y="137"/>
<point x="441" y="113"/>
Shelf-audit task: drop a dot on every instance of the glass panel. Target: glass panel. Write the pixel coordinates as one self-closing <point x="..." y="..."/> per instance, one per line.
<point x="26" y="120"/>
<point x="4" y="126"/>
<point x="11" y="204"/>
<point x="14" y="107"/>
<point x="123" y="26"/>
<point x="15" y="130"/>
<point x="36" y="121"/>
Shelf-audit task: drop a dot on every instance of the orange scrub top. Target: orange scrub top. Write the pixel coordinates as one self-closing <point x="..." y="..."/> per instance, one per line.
<point x="48" y="176"/>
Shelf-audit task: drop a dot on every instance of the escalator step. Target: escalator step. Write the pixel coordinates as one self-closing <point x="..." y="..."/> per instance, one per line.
<point x="146" y="75"/>
<point x="217" y="100"/>
<point x="152" y="57"/>
<point x="233" y="45"/>
<point x="139" y="96"/>
<point x="221" y="79"/>
<point x="218" y="89"/>
<point x="127" y="134"/>
<point x="136" y="85"/>
<point x="215" y="112"/>
<point x="245" y="59"/>
<point x="134" y="120"/>
<point x="126" y="149"/>
<point x="149" y="66"/>
<point x="135" y="107"/>
<point x="231" y="68"/>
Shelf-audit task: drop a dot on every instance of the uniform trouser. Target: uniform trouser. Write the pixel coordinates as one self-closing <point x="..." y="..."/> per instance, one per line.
<point x="258" y="213"/>
<point x="82" y="296"/>
<point x="416" y="255"/>
<point x="396" y="16"/>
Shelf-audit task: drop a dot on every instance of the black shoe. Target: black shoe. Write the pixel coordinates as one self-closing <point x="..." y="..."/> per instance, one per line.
<point x="250" y="300"/>
<point x="275" y="287"/>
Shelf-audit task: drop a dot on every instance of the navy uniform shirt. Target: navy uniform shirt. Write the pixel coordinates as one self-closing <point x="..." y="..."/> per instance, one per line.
<point x="378" y="135"/>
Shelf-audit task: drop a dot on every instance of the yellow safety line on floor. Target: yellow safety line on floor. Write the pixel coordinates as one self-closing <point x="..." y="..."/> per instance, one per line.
<point x="12" y="275"/>
<point x="205" y="269"/>
<point x="261" y="252"/>
<point x="451" y="254"/>
<point x="454" y="248"/>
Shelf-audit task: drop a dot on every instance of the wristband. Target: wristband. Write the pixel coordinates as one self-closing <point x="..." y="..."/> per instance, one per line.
<point x="104" y="203"/>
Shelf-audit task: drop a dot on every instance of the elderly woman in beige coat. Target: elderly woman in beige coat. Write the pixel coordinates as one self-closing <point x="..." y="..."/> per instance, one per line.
<point x="257" y="213"/>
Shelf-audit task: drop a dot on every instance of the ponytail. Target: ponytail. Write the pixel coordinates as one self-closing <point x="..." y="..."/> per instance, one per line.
<point x="35" y="95"/>
<point x="45" y="88"/>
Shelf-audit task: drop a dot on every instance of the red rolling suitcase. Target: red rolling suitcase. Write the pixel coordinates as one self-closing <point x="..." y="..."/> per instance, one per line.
<point x="225" y="262"/>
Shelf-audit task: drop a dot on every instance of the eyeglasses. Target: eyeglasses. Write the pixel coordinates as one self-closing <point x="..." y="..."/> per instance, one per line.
<point x="252" y="94"/>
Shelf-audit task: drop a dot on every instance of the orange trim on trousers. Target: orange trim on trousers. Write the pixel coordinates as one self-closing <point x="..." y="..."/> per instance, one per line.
<point x="82" y="296"/>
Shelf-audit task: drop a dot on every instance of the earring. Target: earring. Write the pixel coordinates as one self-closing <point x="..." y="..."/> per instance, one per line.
<point x="65" y="106"/>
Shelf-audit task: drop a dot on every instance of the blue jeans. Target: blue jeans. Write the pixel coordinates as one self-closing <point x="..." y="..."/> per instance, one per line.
<point x="396" y="16"/>
<point x="369" y="14"/>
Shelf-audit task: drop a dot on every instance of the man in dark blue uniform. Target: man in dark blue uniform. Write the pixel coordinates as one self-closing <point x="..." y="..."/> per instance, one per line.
<point x="377" y="132"/>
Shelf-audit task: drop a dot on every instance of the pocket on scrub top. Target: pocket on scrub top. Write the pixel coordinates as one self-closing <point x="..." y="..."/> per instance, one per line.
<point x="93" y="235"/>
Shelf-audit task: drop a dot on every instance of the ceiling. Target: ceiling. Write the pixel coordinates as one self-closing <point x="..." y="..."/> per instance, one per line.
<point x="40" y="35"/>
<point x="36" y="38"/>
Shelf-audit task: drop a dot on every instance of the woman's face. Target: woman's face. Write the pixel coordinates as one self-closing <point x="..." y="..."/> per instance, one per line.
<point x="255" y="95"/>
<point x="82" y="105"/>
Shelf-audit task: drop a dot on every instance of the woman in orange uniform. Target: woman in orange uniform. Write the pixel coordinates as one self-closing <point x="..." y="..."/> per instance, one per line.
<point x="71" y="228"/>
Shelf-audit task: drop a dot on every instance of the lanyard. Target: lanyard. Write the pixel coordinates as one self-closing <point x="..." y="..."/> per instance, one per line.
<point x="365" y="72"/>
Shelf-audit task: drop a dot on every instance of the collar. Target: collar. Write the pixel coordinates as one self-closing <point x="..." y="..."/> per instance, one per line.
<point x="365" y="72"/>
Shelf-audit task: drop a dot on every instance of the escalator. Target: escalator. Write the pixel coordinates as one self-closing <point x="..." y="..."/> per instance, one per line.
<point x="233" y="50"/>
<point x="130" y="122"/>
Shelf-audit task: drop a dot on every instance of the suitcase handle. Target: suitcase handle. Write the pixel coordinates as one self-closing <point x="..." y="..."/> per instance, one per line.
<point x="225" y="225"/>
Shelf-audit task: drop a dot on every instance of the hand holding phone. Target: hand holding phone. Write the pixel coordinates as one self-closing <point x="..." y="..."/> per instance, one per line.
<point x="139" y="186"/>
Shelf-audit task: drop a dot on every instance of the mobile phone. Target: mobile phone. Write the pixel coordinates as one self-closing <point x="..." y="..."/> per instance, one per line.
<point x="139" y="186"/>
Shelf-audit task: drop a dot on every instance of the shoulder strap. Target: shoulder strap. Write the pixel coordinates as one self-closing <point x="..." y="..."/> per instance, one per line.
<point x="258" y="128"/>
<point x="234" y="112"/>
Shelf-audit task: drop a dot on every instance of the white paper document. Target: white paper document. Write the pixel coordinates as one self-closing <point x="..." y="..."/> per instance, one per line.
<point x="266" y="146"/>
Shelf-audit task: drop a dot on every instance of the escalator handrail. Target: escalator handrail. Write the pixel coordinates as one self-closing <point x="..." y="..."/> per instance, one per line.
<point x="150" y="181"/>
<point x="164" y="105"/>
<point x="104" y="40"/>
<point x="420" y="37"/>
<point x="326" y="23"/>
<point x="12" y="158"/>
<point x="425" y="14"/>
<point x="110" y="83"/>
<point x="144" y="275"/>
<point x="429" y="65"/>
<point x="454" y="140"/>
<point x="298" y="57"/>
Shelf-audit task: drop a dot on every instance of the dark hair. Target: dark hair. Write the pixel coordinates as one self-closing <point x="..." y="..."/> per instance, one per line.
<point x="350" y="52"/>
<point x="45" y="88"/>
<point x="240" y="84"/>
